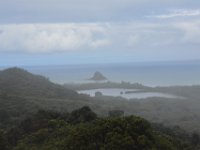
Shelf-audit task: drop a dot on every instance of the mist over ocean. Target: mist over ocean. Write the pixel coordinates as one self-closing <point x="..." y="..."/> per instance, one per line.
<point x="151" y="74"/>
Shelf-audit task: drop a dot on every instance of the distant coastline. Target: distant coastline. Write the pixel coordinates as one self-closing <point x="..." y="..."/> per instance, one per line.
<point x="149" y="74"/>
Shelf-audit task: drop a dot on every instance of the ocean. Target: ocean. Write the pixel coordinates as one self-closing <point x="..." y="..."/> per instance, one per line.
<point x="150" y="74"/>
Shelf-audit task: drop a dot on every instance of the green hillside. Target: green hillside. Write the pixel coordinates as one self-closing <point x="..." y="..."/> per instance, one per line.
<point x="16" y="81"/>
<point x="22" y="94"/>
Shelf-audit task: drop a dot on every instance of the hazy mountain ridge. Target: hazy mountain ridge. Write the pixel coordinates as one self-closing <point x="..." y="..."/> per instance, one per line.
<point x="23" y="93"/>
<point x="16" y="81"/>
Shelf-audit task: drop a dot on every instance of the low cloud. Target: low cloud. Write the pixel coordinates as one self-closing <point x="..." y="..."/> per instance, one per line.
<point x="190" y="30"/>
<point x="100" y="43"/>
<point x="179" y="13"/>
<point x="140" y="36"/>
<point x="46" y="38"/>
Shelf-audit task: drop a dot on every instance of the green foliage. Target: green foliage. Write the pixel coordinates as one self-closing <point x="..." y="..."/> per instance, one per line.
<point x="195" y="139"/>
<point x="82" y="115"/>
<point x="3" y="142"/>
<point x="116" y="113"/>
<point x="82" y="130"/>
<point x="164" y="143"/>
<point x="125" y="133"/>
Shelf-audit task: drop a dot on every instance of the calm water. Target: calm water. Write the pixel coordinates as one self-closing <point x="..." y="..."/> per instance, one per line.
<point x="147" y="74"/>
<point x="118" y="92"/>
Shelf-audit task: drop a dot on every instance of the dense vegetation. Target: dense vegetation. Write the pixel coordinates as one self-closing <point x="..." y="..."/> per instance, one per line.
<point x="22" y="94"/>
<point x="23" y="124"/>
<point x="183" y="112"/>
<point x="83" y="130"/>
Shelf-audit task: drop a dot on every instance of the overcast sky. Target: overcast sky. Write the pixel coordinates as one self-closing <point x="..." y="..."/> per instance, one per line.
<point x="40" y="32"/>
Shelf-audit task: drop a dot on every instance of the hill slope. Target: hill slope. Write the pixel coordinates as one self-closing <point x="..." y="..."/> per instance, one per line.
<point x="23" y="93"/>
<point x="16" y="81"/>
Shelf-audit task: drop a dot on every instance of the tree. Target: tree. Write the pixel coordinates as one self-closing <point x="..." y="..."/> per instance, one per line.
<point x="195" y="139"/>
<point x="84" y="114"/>
<point x="116" y="113"/>
<point x="3" y="142"/>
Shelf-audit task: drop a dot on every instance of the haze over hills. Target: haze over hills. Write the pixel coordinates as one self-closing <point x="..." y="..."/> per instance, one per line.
<point x="22" y="94"/>
<point x="20" y="82"/>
